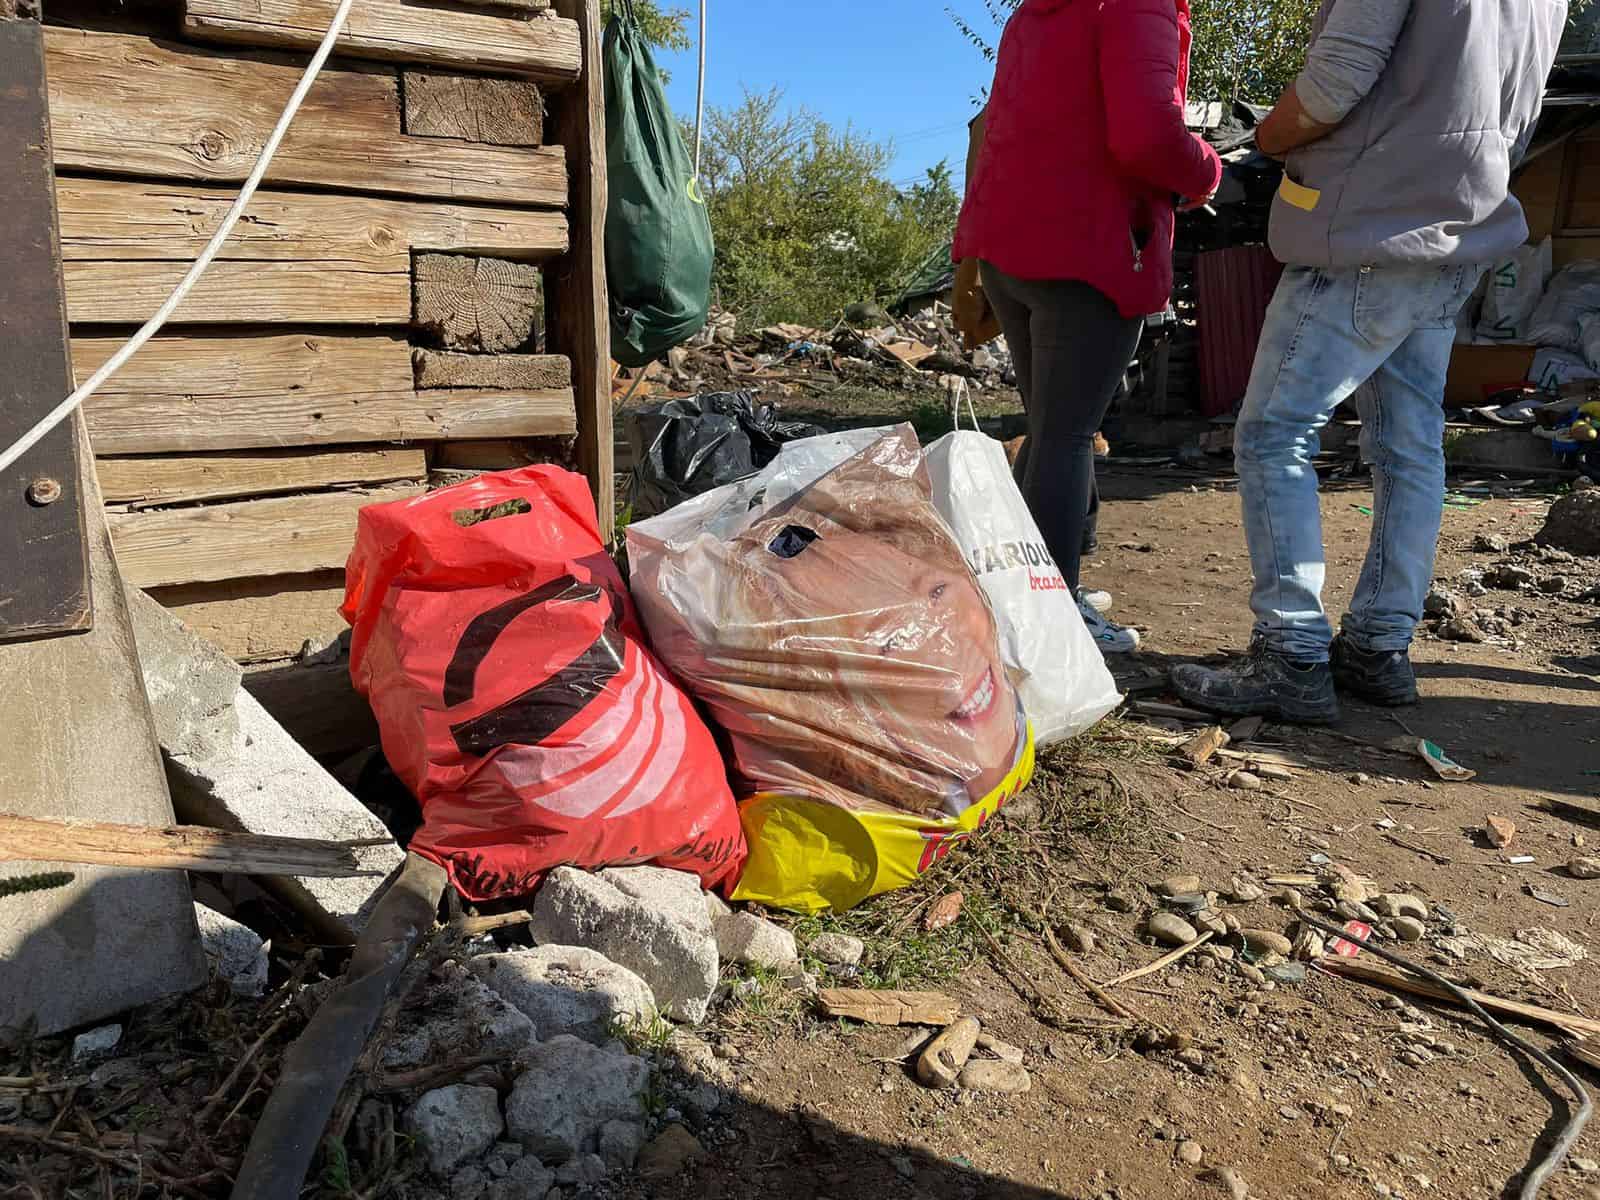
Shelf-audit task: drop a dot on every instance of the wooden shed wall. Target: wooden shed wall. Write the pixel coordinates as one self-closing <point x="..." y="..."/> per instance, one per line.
<point x="417" y="287"/>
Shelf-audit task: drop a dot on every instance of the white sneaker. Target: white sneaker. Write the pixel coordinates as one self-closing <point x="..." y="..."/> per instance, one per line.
<point x="1096" y="599"/>
<point x="1108" y="635"/>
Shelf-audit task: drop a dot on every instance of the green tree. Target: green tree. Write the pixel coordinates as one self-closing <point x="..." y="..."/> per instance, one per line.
<point x="667" y="29"/>
<point x="805" y="218"/>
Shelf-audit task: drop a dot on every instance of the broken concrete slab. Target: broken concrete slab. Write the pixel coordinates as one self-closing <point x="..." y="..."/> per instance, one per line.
<point x="569" y="1093"/>
<point x="102" y="765"/>
<point x="236" y="952"/>
<point x="568" y="990"/>
<point x="455" y="1125"/>
<point x="671" y="952"/>
<point x="231" y="766"/>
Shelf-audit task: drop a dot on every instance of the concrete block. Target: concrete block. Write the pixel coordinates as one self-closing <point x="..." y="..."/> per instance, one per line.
<point x="231" y="766"/>
<point x="236" y="952"/>
<point x="568" y="989"/>
<point x="78" y="743"/>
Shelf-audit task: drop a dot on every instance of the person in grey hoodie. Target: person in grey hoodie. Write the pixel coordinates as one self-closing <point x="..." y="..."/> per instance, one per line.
<point x="1399" y="140"/>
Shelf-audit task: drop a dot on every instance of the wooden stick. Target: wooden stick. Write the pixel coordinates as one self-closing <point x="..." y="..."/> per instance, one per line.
<point x="1580" y="1027"/>
<point x="1104" y="998"/>
<point x="1166" y="960"/>
<point x="430" y="1077"/>
<point x="174" y="848"/>
<point x="469" y="927"/>
<point x="1584" y="1051"/>
<point x="221" y="1094"/>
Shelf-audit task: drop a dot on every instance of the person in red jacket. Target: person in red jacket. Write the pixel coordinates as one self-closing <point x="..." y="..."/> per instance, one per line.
<point x="1078" y="163"/>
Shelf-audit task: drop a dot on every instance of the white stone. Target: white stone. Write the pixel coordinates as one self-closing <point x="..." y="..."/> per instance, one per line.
<point x="455" y="1125"/>
<point x="528" y="1179"/>
<point x="620" y="1143"/>
<point x="96" y="1043"/>
<point x="568" y="989"/>
<point x="670" y="950"/>
<point x="236" y="952"/>
<point x="569" y="1093"/>
<point x="746" y="938"/>
<point x="837" y="949"/>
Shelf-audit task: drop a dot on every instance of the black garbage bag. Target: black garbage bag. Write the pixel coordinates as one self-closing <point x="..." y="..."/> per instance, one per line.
<point x="685" y="447"/>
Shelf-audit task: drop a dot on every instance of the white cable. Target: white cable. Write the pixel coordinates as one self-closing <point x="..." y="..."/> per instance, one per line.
<point x="65" y="409"/>
<point x="700" y="95"/>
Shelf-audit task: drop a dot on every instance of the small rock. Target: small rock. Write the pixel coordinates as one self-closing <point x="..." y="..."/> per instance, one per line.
<point x="1584" y="1166"/>
<point x="582" y="1172"/>
<point x="1442" y="603"/>
<point x="1208" y="921"/>
<point x="837" y="949"/>
<point x="1499" y="830"/>
<point x="1170" y="929"/>
<point x="1254" y="974"/>
<point x="1231" y="922"/>
<point x="1584" y="867"/>
<point x="526" y="1180"/>
<point x="1192" y="1058"/>
<point x="97" y="1043"/>
<point x="1244" y="891"/>
<point x="1080" y="939"/>
<point x="567" y="990"/>
<point x="1400" y="904"/>
<point x="988" y="1075"/>
<point x="1265" y="941"/>
<point x="236" y="952"/>
<point x="1308" y="945"/>
<point x="455" y="1125"/>
<point x="743" y="937"/>
<point x="1191" y="1153"/>
<point x="1244" y="781"/>
<point x="1004" y="1051"/>
<point x="1361" y="779"/>
<point x="1408" y="929"/>
<point x="673" y="1149"/>
<point x="620" y="1143"/>
<point x="1508" y="578"/>
<point x="1289" y="898"/>
<point x="1178" y="885"/>
<point x="569" y="1093"/>
<point x="468" y="1183"/>
<point x="1290" y="1113"/>
<point x="1554" y="585"/>
<point x="1462" y="629"/>
<point x="1231" y="1182"/>
<point x="1491" y="543"/>
<point x="1120" y="902"/>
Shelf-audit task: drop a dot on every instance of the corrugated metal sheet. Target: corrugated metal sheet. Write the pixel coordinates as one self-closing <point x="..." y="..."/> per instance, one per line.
<point x="1233" y="288"/>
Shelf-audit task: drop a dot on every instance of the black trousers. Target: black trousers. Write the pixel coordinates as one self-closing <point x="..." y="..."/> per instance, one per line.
<point x="1071" y="348"/>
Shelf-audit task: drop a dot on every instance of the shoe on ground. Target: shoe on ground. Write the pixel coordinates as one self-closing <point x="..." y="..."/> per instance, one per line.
<point x="1096" y="599"/>
<point x="1378" y="676"/>
<point x="1108" y="635"/>
<point x="1264" y="683"/>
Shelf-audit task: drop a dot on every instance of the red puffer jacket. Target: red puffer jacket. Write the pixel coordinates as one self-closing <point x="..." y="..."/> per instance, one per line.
<point x="1085" y="149"/>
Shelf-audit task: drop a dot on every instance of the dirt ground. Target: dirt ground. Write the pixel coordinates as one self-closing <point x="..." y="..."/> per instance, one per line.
<point x="1299" y="1089"/>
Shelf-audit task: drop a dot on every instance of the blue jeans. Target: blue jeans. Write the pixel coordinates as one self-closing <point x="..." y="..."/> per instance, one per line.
<point x="1328" y="332"/>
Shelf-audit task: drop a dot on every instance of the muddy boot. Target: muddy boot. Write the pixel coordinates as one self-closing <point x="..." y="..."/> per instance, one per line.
<point x="1377" y="676"/>
<point x="1263" y="683"/>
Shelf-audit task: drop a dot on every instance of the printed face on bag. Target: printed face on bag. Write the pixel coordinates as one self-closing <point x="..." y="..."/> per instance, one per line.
<point x="893" y="654"/>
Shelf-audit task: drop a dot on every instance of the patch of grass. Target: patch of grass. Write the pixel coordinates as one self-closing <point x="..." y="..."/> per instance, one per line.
<point x="642" y="1037"/>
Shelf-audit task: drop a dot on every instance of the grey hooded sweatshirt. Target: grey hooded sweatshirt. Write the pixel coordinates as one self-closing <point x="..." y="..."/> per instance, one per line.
<point x="1435" y="102"/>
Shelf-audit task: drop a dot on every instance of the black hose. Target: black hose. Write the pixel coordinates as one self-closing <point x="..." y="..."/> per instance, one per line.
<point x="1535" y="1180"/>
<point x="316" y="1066"/>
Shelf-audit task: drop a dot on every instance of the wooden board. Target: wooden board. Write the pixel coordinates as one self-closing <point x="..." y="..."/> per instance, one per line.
<point x="1474" y="368"/>
<point x="442" y="369"/>
<point x="579" y="318"/>
<point x="501" y="455"/>
<point x="161" y="481"/>
<point x="230" y="393"/>
<point x="1580" y="208"/>
<point x="499" y="112"/>
<point x="173" y="848"/>
<point x="297" y="257"/>
<point x="875" y="1007"/>
<point x="259" y="620"/>
<point x="540" y="45"/>
<point x="1538" y="187"/>
<point x="202" y="115"/>
<point x="44" y="565"/>
<point x="232" y="541"/>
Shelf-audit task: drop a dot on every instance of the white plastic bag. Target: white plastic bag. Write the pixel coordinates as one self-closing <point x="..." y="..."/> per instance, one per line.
<point x="1574" y="293"/>
<point x="1513" y="288"/>
<point x="1552" y="368"/>
<point x="1589" y="335"/>
<point x="1058" y="670"/>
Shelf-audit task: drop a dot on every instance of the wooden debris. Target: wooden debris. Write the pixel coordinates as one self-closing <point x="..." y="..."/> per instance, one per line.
<point x="874" y="1007"/>
<point x="1160" y="964"/>
<point x="480" y="304"/>
<point x="1584" y="1051"/>
<point x="495" y="112"/>
<point x="1499" y="830"/>
<point x="944" y="912"/>
<point x="939" y="1066"/>
<point x="1104" y="998"/>
<point x="174" y="848"/>
<point x="534" y="372"/>
<point x="1202" y="746"/>
<point x="1349" y="968"/>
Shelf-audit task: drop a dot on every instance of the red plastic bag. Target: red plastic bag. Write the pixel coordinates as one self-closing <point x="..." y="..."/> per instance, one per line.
<point x="499" y="649"/>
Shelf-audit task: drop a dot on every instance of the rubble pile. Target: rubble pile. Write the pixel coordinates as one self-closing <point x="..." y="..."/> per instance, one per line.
<point x="921" y="352"/>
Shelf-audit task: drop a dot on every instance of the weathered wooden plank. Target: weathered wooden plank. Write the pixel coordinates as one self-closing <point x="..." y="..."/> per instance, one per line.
<point x="539" y="372"/>
<point x="542" y="45"/>
<point x="497" y="112"/>
<point x="231" y="393"/>
<point x="203" y="114"/>
<point x="311" y="258"/>
<point x="479" y="304"/>
<point x="165" y="480"/>
<point x="261" y="619"/>
<point x="232" y="541"/>
<point x="44" y="565"/>
<point x="579" y="322"/>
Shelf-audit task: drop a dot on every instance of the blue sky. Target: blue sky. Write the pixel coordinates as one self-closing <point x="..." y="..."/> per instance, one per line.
<point x="896" y="69"/>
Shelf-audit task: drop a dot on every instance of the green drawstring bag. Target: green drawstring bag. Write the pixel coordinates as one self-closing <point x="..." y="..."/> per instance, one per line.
<point x="658" y="236"/>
